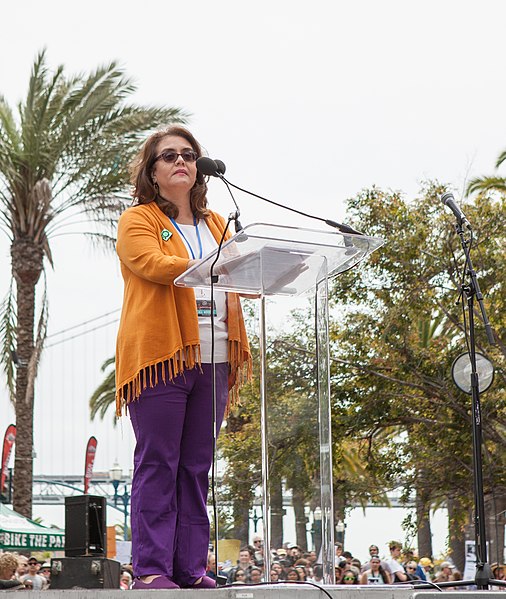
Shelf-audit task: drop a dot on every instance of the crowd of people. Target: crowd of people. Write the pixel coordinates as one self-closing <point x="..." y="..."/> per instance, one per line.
<point x="23" y="572"/>
<point x="288" y="563"/>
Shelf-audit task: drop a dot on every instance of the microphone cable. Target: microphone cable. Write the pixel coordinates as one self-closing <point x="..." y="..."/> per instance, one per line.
<point x="214" y="280"/>
<point x="216" y="168"/>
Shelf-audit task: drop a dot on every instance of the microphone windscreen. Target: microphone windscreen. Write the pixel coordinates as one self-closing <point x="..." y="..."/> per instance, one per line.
<point x="446" y="197"/>
<point x="207" y="166"/>
<point x="221" y="166"/>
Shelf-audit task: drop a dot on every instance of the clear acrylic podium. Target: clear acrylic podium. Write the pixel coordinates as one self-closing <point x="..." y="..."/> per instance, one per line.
<point x="267" y="260"/>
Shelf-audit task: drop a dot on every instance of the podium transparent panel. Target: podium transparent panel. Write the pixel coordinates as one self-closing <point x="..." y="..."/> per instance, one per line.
<point x="294" y="382"/>
<point x="278" y="260"/>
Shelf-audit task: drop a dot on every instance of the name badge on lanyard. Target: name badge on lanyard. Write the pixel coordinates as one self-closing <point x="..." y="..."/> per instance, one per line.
<point x="204" y="308"/>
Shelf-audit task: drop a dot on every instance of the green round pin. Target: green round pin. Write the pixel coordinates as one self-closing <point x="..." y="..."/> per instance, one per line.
<point x="166" y="234"/>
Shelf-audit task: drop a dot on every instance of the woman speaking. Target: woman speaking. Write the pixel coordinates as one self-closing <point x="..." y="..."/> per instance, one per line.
<point x="163" y="360"/>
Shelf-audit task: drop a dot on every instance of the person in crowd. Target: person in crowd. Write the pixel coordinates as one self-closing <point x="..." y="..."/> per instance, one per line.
<point x="498" y="573"/>
<point x="39" y="582"/>
<point x="274" y="575"/>
<point x="125" y="580"/>
<point x="349" y="575"/>
<point x="238" y="577"/>
<point x="445" y="572"/>
<point x="286" y="565"/>
<point x="456" y="576"/>
<point x="258" y="546"/>
<point x="281" y="553"/>
<point x="294" y="553"/>
<point x="8" y="568"/>
<point x="45" y="570"/>
<point x="424" y="569"/>
<point x="292" y="575"/>
<point x="302" y="571"/>
<point x="277" y="567"/>
<point x="22" y="569"/>
<point x="397" y="571"/>
<point x="374" y="552"/>
<point x="317" y="577"/>
<point x="338" y="551"/>
<point x="356" y="563"/>
<point x="255" y="575"/>
<point x="311" y="557"/>
<point x="338" y="573"/>
<point x="164" y="374"/>
<point x="244" y="563"/>
<point x="376" y="574"/>
<point x="410" y="569"/>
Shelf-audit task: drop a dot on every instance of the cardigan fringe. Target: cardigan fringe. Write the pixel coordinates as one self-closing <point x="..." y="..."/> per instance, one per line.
<point x="187" y="358"/>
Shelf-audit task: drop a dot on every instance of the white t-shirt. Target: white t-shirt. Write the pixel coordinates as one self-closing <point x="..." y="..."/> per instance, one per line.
<point x="203" y="296"/>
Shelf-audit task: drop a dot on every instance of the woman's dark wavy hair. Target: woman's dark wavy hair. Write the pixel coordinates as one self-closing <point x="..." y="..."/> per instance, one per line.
<point x="141" y="173"/>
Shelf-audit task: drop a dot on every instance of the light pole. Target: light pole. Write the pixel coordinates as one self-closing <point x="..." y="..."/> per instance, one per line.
<point x="255" y="519"/>
<point x="116" y="476"/>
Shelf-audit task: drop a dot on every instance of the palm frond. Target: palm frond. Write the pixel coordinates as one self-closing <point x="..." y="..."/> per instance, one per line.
<point x="8" y="327"/>
<point x="500" y="159"/>
<point x="104" y="395"/>
<point x="486" y="184"/>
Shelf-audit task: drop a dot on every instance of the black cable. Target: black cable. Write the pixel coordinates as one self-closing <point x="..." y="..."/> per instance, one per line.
<point x="213" y="385"/>
<point x="420" y="584"/>
<point x="277" y="582"/>
<point x="342" y="228"/>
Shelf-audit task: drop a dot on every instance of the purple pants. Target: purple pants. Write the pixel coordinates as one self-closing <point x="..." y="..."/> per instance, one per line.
<point x="173" y="454"/>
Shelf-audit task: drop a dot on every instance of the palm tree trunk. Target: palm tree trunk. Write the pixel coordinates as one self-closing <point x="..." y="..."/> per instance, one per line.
<point x="26" y="269"/>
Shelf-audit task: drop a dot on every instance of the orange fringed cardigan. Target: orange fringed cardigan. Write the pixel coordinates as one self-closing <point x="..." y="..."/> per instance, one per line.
<point x="159" y="321"/>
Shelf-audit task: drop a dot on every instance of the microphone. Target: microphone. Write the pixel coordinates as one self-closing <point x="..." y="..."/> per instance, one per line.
<point x="207" y="166"/>
<point x="449" y="201"/>
<point x="221" y="168"/>
<point x="216" y="168"/>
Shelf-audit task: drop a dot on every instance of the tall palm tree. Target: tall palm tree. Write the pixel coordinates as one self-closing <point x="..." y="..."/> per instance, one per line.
<point x="63" y="155"/>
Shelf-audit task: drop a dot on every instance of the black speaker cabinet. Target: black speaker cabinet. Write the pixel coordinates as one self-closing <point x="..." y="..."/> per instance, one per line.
<point x="85" y="526"/>
<point x="84" y="573"/>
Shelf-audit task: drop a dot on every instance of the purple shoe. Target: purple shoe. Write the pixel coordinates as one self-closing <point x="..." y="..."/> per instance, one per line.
<point x="205" y="583"/>
<point x="161" y="582"/>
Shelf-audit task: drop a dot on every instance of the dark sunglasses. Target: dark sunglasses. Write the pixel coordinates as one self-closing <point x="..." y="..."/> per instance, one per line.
<point x="171" y="156"/>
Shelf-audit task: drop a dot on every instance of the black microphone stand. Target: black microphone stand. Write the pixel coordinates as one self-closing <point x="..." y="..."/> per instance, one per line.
<point x="471" y="290"/>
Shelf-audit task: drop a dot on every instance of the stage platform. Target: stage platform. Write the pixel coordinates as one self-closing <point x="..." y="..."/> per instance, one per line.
<point x="269" y="591"/>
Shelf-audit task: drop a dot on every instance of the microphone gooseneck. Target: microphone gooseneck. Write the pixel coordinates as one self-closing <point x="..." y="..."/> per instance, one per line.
<point x="216" y="168"/>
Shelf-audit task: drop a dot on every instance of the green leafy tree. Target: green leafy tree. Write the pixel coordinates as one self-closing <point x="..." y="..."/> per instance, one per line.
<point x="64" y="152"/>
<point x="398" y="332"/>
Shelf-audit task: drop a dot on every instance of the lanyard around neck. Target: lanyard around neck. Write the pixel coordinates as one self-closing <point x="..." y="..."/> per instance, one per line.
<point x="184" y="237"/>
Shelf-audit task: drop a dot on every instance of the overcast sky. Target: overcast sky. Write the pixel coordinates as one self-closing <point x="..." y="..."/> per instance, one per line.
<point x="306" y="102"/>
